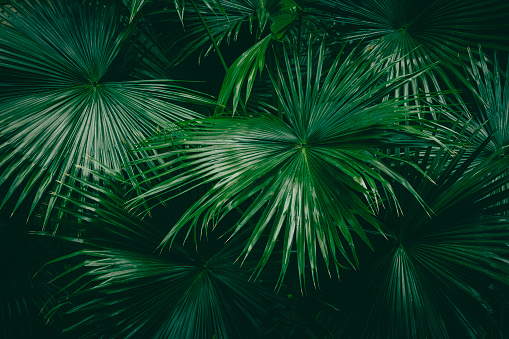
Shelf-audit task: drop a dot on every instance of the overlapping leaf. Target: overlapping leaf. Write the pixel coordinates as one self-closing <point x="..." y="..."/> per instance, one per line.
<point x="423" y="31"/>
<point x="491" y="91"/>
<point x="244" y="68"/>
<point x="225" y="25"/>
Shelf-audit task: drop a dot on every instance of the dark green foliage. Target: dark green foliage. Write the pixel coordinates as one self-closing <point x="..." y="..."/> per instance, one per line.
<point x="434" y="276"/>
<point x="120" y="288"/>
<point x="22" y="297"/>
<point x="348" y="180"/>
<point x="420" y="33"/>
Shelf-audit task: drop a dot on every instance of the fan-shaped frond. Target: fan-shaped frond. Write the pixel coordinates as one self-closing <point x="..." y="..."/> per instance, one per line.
<point x="424" y="32"/>
<point x="433" y="277"/>
<point x="65" y="93"/>
<point x="300" y="180"/>
<point x="120" y="288"/>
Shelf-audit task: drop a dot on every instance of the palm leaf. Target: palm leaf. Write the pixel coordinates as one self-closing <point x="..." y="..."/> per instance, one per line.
<point x="424" y="32"/>
<point x="491" y="91"/>
<point x="483" y="104"/>
<point x="66" y="93"/>
<point x="433" y="277"/>
<point x="299" y="180"/>
<point x="120" y="288"/>
<point x="135" y="6"/>
<point x="244" y="68"/>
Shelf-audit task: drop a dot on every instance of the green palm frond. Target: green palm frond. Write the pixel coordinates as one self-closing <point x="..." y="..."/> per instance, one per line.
<point x="244" y="68"/>
<point x="423" y="31"/>
<point x="65" y="93"/>
<point x="433" y="277"/>
<point x="300" y="180"/>
<point x="135" y="6"/>
<point x="177" y="297"/>
<point x="482" y="109"/>
<point x="120" y="288"/>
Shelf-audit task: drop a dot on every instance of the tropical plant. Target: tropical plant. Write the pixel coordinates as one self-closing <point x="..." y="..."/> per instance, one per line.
<point x="341" y="134"/>
<point x="301" y="176"/>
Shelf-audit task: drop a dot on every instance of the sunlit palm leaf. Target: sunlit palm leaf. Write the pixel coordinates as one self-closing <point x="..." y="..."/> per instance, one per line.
<point x="121" y="288"/>
<point x="65" y="94"/>
<point x="299" y="180"/>
<point x="433" y="277"/>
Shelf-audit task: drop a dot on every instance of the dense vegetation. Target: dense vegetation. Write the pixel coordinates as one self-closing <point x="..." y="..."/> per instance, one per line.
<point x="237" y="168"/>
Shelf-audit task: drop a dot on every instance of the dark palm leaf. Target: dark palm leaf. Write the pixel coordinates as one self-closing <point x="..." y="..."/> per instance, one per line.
<point x="433" y="277"/>
<point x="65" y="93"/>
<point x="135" y="6"/>
<point x="120" y="288"/>
<point x="424" y="31"/>
<point x="301" y="178"/>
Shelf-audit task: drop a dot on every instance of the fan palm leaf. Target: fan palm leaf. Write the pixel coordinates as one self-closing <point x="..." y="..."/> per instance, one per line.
<point x="121" y="289"/>
<point x="423" y="31"/>
<point x="301" y="179"/>
<point x="433" y="277"/>
<point x="66" y="93"/>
